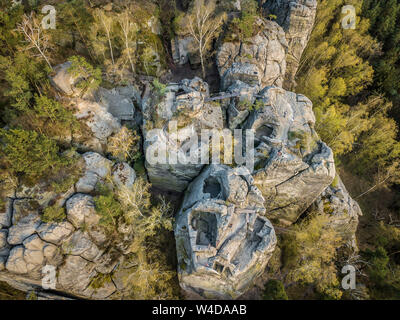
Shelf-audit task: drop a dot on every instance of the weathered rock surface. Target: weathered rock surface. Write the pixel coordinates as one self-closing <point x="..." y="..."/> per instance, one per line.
<point x="27" y="244"/>
<point x="5" y="216"/>
<point x="80" y="244"/>
<point x="30" y="257"/>
<point x="101" y="122"/>
<point x="183" y="49"/>
<point x="238" y="109"/>
<point x="75" y="274"/>
<point x="55" y="232"/>
<point x="183" y="105"/>
<point x="260" y="60"/>
<point x="123" y="174"/>
<point x="292" y="166"/>
<point x="337" y="202"/>
<point x="81" y="213"/>
<point x="223" y="239"/>
<point x="23" y="228"/>
<point x="97" y="168"/>
<point x="100" y="110"/>
<point x="119" y="101"/>
<point x="64" y="81"/>
<point x="297" y="19"/>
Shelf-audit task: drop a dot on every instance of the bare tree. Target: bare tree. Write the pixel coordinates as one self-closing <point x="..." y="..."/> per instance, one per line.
<point x="32" y="30"/>
<point x="129" y="30"/>
<point x="106" y="23"/>
<point x="203" y="24"/>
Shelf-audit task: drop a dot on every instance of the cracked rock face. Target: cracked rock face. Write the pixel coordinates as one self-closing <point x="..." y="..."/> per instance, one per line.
<point x="97" y="168"/>
<point x="297" y="19"/>
<point x="292" y="166"/>
<point x="260" y="60"/>
<point x="223" y="239"/>
<point x="337" y="202"/>
<point x="119" y="101"/>
<point x="238" y="110"/>
<point x="101" y="110"/>
<point x="185" y="105"/>
<point x="77" y="247"/>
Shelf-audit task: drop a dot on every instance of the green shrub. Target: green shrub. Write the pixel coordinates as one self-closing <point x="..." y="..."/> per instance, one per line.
<point x="89" y="77"/>
<point x="30" y="154"/>
<point x="274" y="290"/>
<point x="108" y="207"/>
<point x="100" y="280"/>
<point x="54" y="214"/>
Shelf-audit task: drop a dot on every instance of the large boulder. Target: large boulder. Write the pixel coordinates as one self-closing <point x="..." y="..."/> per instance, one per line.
<point x="345" y="212"/>
<point x="119" y="101"/>
<point x="26" y="221"/>
<point x="75" y="274"/>
<point x="100" y="121"/>
<point x="31" y="256"/>
<point x="172" y="127"/>
<point x="98" y="168"/>
<point x="223" y="239"/>
<point x="80" y="244"/>
<point x="292" y="165"/>
<point x="63" y="80"/>
<point x="82" y="214"/>
<point x="297" y="19"/>
<point x="259" y="60"/>
<point x="238" y="108"/>
<point x="55" y="233"/>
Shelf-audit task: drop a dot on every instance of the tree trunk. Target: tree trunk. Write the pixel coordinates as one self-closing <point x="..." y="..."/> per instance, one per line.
<point x="202" y="64"/>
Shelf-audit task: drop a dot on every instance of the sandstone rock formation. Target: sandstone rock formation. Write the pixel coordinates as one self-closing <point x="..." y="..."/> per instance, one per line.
<point x="183" y="104"/>
<point x="292" y="165"/>
<point x="100" y="110"/>
<point x="224" y="229"/>
<point x="183" y="50"/>
<point x="223" y="239"/>
<point x="119" y="101"/>
<point x="238" y="109"/>
<point x="259" y="60"/>
<point x="297" y="19"/>
<point x="336" y="201"/>
<point x="78" y="247"/>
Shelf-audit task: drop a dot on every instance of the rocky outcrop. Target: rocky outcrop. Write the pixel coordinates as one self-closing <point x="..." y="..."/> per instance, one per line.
<point x="259" y="60"/>
<point x="238" y="109"/>
<point x="183" y="50"/>
<point x="64" y="81"/>
<point x="345" y="212"/>
<point x="119" y="101"/>
<point x="224" y="229"/>
<point x="78" y="247"/>
<point x="297" y="19"/>
<point x="101" y="110"/>
<point x="223" y="239"/>
<point x="172" y="127"/>
<point x="98" y="168"/>
<point x="292" y="165"/>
